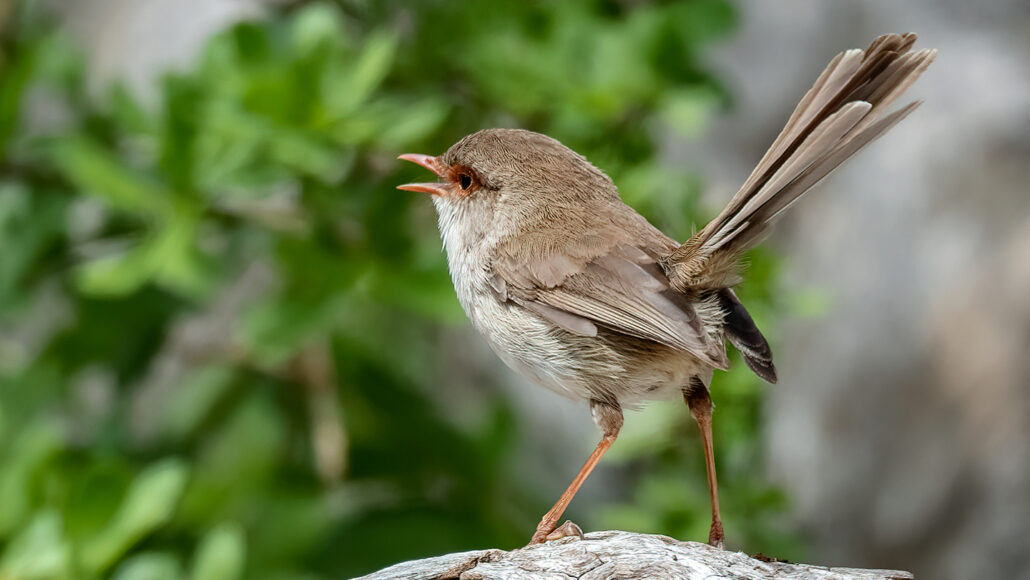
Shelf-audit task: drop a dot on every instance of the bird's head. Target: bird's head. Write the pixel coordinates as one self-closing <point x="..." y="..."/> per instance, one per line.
<point x="524" y="170"/>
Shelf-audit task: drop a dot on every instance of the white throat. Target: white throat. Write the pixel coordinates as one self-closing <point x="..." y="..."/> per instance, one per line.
<point x="468" y="239"/>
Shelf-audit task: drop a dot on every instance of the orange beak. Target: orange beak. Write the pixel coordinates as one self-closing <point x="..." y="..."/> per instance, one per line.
<point x="431" y="163"/>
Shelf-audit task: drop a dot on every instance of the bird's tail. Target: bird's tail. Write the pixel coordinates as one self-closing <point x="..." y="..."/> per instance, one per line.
<point x="842" y="112"/>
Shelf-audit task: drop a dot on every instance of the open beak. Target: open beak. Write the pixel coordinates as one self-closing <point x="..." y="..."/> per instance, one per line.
<point x="431" y="163"/>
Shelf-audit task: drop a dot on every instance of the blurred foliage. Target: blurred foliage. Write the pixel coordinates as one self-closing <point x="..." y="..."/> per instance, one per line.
<point x="219" y="324"/>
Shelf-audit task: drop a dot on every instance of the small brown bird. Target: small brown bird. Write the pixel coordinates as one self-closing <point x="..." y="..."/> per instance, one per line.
<point x="575" y="290"/>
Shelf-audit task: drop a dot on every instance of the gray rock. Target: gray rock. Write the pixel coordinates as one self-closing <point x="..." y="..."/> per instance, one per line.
<point x="613" y="554"/>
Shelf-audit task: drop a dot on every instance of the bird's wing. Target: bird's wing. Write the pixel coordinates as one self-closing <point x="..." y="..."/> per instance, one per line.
<point x="621" y="288"/>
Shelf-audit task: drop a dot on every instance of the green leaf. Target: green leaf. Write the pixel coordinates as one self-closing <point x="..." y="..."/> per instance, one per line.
<point x="115" y="275"/>
<point x="414" y="124"/>
<point x="97" y="172"/>
<point x="149" y="503"/>
<point x="221" y="554"/>
<point x="38" y="552"/>
<point x="29" y="224"/>
<point x="178" y="266"/>
<point x="15" y="77"/>
<point x="21" y="459"/>
<point x="307" y="155"/>
<point x="371" y="67"/>
<point x="236" y="463"/>
<point x="127" y="112"/>
<point x="150" y="566"/>
<point x="314" y="26"/>
<point x="167" y="257"/>
<point x="184" y="103"/>
<point x="194" y="400"/>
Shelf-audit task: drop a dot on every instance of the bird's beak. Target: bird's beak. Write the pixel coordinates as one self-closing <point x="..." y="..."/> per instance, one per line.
<point x="431" y="163"/>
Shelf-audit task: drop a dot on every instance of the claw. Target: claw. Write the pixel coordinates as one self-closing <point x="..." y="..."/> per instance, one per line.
<point x="566" y="530"/>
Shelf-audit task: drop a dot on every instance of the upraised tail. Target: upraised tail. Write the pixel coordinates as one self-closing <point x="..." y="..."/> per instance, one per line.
<point x="840" y="114"/>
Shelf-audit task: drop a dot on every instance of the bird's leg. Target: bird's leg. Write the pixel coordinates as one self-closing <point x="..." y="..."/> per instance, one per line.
<point x="608" y="417"/>
<point x="700" y="404"/>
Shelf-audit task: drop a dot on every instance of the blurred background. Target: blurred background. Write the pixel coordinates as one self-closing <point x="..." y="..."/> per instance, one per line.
<point x="230" y="349"/>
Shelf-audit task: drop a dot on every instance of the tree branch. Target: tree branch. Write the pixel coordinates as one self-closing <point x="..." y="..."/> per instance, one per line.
<point x="616" y="554"/>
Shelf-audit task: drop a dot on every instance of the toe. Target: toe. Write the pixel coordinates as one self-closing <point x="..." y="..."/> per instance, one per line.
<point x="566" y="530"/>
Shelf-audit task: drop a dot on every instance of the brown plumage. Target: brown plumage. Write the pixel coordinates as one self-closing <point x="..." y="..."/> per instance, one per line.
<point x="578" y="292"/>
<point x="840" y="114"/>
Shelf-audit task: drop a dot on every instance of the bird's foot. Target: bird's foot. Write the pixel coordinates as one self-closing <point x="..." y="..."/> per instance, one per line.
<point x="543" y="534"/>
<point x="716" y="537"/>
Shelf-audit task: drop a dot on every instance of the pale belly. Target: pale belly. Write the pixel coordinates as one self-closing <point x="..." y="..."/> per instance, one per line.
<point x="608" y="367"/>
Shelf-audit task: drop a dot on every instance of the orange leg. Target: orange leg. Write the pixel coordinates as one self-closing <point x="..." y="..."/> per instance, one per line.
<point x="607" y="417"/>
<point x="700" y="404"/>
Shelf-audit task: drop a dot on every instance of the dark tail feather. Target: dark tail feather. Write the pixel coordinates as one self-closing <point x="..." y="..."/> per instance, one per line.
<point x="744" y="335"/>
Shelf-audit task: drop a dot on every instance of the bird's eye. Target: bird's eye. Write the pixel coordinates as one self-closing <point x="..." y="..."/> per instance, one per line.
<point x="465" y="180"/>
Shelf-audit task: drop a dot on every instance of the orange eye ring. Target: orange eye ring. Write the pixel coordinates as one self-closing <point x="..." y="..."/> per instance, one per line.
<point x="465" y="179"/>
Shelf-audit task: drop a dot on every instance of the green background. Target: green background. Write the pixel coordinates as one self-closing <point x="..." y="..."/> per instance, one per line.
<point x="222" y="329"/>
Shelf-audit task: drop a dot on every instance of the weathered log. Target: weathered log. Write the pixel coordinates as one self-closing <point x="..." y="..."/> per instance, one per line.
<point x="622" y="555"/>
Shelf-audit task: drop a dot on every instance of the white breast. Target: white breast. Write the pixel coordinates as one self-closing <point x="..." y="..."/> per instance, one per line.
<point x="525" y="342"/>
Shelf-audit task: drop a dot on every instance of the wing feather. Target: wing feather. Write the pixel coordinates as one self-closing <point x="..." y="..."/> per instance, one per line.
<point x="623" y="290"/>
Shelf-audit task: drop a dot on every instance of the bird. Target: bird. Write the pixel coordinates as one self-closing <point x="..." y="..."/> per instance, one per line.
<point x="576" y="291"/>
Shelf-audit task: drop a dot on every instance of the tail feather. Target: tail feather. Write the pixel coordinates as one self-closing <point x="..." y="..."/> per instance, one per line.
<point x="744" y="335"/>
<point x="838" y="116"/>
